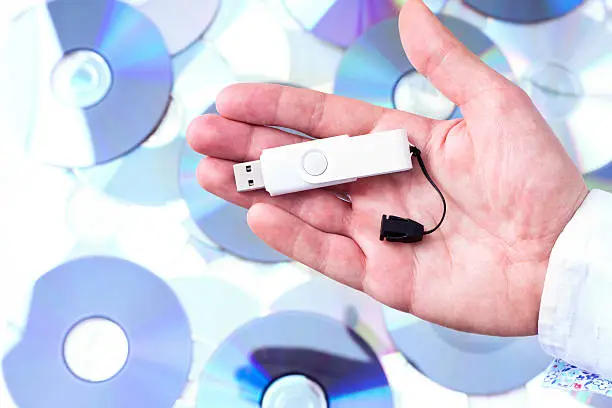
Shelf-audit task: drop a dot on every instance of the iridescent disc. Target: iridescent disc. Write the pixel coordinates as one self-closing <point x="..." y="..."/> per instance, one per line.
<point x="565" y="65"/>
<point x="220" y="221"/>
<point x="524" y="11"/>
<point x="19" y="81"/>
<point x="146" y="175"/>
<point x="123" y="293"/>
<point x="468" y="363"/>
<point x="104" y="80"/>
<point x="375" y="69"/>
<point x="255" y="43"/>
<point x="181" y="22"/>
<point x="354" y="309"/>
<point x="261" y="360"/>
<point x="203" y="298"/>
<point x="202" y="73"/>
<point x="340" y="22"/>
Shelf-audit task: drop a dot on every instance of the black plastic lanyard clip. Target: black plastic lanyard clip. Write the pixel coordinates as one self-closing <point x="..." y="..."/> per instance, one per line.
<point x="396" y="229"/>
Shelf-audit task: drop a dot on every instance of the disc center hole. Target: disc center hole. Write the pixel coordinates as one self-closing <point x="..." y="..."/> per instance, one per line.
<point x="81" y="79"/>
<point x="416" y="94"/>
<point x="294" y="391"/>
<point x="555" y="90"/>
<point x="96" y="350"/>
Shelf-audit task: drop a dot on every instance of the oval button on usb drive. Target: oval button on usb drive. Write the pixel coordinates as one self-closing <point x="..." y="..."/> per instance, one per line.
<point x="315" y="163"/>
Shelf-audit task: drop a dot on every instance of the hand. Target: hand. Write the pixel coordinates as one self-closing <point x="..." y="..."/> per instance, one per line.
<point x="510" y="186"/>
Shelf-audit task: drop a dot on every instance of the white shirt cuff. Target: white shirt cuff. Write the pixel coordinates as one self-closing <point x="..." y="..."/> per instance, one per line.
<point x="575" y="322"/>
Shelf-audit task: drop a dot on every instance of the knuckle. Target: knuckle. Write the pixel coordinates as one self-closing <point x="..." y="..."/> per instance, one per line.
<point x="316" y="115"/>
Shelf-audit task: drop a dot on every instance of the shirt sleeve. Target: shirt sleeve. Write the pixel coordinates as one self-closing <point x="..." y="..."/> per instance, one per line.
<point x="575" y="321"/>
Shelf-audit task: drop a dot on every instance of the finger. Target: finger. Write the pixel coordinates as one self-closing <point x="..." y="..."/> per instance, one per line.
<point x="214" y="135"/>
<point x="443" y="59"/>
<point x="314" y="113"/>
<point x="336" y="256"/>
<point x="319" y="208"/>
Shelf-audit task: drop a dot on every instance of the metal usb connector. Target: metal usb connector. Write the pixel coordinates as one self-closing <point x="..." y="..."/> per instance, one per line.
<point x="249" y="176"/>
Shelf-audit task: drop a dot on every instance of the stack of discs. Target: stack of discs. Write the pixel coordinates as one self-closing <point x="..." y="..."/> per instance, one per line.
<point x="340" y="22"/>
<point x="468" y="363"/>
<point x="291" y="359"/>
<point x="375" y="69"/>
<point x="89" y="71"/>
<point x="124" y="295"/>
<point x="564" y="66"/>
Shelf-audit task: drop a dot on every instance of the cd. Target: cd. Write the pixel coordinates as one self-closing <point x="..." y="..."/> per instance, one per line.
<point x="202" y="298"/>
<point x="564" y="65"/>
<point x="601" y="178"/>
<point x="375" y="69"/>
<point x="524" y="11"/>
<point x="144" y="176"/>
<point x="413" y="389"/>
<point x="104" y="79"/>
<point x="144" y="311"/>
<point x="354" y="309"/>
<point x="32" y="240"/>
<point x="313" y="62"/>
<point x="293" y="359"/>
<point x="181" y="22"/>
<point x="18" y="82"/>
<point x="340" y="22"/>
<point x="202" y="73"/>
<point x="469" y="363"/>
<point x="220" y="221"/>
<point x="255" y="44"/>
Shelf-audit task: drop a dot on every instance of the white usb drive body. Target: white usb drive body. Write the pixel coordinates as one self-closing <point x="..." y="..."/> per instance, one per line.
<point x="325" y="162"/>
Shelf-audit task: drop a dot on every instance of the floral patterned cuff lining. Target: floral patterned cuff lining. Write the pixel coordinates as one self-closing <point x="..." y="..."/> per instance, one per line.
<point x="569" y="377"/>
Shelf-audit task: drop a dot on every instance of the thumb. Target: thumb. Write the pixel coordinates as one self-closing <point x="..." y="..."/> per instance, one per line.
<point x="439" y="56"/>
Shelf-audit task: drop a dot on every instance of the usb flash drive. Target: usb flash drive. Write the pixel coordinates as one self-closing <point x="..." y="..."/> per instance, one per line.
<point x="325" y="162"/>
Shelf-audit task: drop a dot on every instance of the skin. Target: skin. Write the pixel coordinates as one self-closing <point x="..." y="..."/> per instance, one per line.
<point x="510" y="186"/>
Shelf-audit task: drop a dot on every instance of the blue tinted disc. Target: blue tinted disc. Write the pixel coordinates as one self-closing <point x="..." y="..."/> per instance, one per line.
<point x="464" y="362"/>
<point x="148" y="311"/>
<point x="108" y="78"/>
<point x="524" y="11"/>
<point x="294" y="343"/>
<point x="220" y="221"/>
<point x="146" y="175"/>
<point x="375" y="64"/>
<point x="181" y="22"/>
<point x="564" y="66"/>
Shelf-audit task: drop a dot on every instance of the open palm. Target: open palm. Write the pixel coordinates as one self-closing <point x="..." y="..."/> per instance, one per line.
<point x="510" y="188"/>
